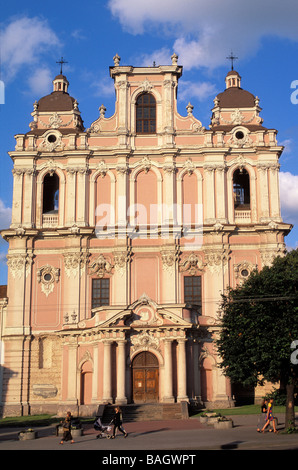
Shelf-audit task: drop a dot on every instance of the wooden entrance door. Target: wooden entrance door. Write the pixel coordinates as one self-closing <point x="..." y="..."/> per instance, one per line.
<point x="145" y="378"/>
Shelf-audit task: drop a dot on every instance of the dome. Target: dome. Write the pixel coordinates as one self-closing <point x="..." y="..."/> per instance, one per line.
<point x="56" y="101"/>
<point x="59" y="99"/>
<point x="235" y="97"/>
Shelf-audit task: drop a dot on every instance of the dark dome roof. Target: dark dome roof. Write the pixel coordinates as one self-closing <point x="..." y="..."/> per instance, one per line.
<point x="235" y="97"/>
<point x="60" y="76"/>
<point x="56" y="101"/>
<point x="233" y="72"/>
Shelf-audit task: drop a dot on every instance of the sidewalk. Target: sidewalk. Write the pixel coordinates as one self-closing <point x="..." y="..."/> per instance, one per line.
<point x="174" y="435"/>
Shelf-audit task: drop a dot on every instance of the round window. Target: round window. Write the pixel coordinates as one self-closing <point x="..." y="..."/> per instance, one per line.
<point x="239" y="135"/>
<point x="244" y="273"/>
<point x="52" y="138"/>
<point x="47" y="277"/>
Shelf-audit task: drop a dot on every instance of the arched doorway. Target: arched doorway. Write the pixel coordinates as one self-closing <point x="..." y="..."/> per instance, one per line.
<point x="145" y="378"/>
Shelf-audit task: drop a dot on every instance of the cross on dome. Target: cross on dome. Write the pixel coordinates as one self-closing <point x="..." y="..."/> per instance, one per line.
<point x="61" y="62"/>
<point x="231" y="57"/>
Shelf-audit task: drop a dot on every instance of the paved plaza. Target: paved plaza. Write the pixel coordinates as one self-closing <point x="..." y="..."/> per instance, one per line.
<point x="186" y="436"/>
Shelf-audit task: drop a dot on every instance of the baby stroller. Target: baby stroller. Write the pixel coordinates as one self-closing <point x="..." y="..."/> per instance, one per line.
<point x="104" y="431"/>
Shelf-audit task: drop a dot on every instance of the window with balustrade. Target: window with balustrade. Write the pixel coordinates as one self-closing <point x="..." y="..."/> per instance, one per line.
<point x="241" y="194"/>
<point x="50" y="205"/>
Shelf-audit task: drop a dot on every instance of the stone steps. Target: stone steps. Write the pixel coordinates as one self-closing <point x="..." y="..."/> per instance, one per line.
<point x="147" y="412"/>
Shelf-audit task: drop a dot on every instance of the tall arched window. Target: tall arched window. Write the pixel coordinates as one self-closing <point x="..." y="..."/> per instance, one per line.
<point x="241" y="189"/>
<point x="50" y="193"/>
<point x="146" y="114"/>
<point x="50" y="205"/>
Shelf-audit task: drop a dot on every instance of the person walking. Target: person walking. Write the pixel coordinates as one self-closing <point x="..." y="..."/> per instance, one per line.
<point x="263" y="415"/>
<point x="67" y="429"/>
<point x="117" y="422"/>
<point x="270" y="417"/>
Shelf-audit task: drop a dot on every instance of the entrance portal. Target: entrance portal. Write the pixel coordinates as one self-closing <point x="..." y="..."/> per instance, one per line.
<point x="145" y="378"/>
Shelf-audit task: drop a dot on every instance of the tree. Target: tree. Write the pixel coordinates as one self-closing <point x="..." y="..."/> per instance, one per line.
<point x="259" y="329"/>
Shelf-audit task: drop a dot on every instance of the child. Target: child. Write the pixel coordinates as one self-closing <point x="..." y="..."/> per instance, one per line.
<point x="270" y="417"/>
<point x="263" y="415"/>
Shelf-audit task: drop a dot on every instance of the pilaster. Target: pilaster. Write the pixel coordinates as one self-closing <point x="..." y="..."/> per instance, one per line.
<point x="168" y="372"/>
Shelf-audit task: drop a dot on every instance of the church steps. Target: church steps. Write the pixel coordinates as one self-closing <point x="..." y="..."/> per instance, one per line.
<point x="147" y="412"/>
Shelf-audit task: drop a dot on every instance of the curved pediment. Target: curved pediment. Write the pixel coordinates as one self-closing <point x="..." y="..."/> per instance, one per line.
<point x="144" y="312"/>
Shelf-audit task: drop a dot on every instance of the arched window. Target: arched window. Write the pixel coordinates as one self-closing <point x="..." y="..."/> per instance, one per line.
<point x="146" y="114"/>
<point x="241" y="189"/>
<point x="50" y="194"/>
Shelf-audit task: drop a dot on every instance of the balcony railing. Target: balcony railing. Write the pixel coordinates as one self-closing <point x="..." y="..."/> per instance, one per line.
<point x="49" y="220"/>
<point x="242" y="216"/>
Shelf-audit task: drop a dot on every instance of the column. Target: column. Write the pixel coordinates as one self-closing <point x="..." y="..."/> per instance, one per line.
<point x="25" y="384"/>
<point x="168" y="124"/>
<point x="107" y="377"/>
<point x="196" y="372"/>
<point x="29" y="203"/>
<point x="121" y="203"/>
<point x="263" y="191"/>
<point x="95" y="375"/>
<point x="220" y="194"/>
<point x="122" y="87"/>
<point x="209" y="196"/>
<point x="168" y="372"/>
<point x="81" y="197"/>
<point x="16" y="217"/>
<point x="72" y="373"/>
<point x="274" y="192"/>
<point x="169" y="216"/>
<point x="121" y="369"/>
<point x="71" y="196"/>
<point x="182" y="395"/>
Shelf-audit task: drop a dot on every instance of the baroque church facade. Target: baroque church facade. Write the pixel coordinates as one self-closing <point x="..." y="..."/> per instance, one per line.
<point x="123" y="237"/>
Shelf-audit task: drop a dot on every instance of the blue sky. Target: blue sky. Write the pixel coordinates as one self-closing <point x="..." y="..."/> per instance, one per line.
<point x="263" y="35"/>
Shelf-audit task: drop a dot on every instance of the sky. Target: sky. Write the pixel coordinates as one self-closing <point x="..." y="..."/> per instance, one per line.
<point x="263" y="35"/>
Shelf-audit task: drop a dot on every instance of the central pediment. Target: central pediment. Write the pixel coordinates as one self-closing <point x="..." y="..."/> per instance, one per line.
<point x="144" y="312"/>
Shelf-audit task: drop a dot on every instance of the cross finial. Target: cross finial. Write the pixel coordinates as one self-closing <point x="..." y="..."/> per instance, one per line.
<point x="61" y="62"/>
<point x="231" y="57"/>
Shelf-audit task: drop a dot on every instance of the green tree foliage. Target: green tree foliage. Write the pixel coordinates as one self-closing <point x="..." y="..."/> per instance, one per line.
<point x="259" y="324"/>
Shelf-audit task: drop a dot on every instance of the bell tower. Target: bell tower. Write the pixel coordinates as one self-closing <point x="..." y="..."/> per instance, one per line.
<point x="233" y="79"/>
<point x="60" y="83"/>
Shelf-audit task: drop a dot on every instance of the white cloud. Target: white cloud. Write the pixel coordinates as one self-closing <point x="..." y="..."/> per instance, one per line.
<point x="40" y="81"/>
<point x="289" y="197"/>
<point x="5" y="216"/>
<point x="160" y="57"/>
<point x="104" y="87"/>
<point x="78" y="34"/>
<point x="199" y="91"/>
<point x="287" y="144"/>
<point x="23" y="41"/>
<point x="204" y="33"/>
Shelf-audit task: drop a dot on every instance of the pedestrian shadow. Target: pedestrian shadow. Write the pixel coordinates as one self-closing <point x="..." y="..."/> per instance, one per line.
<point x="231" y="445"/>
<point x="135" y="434"/>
